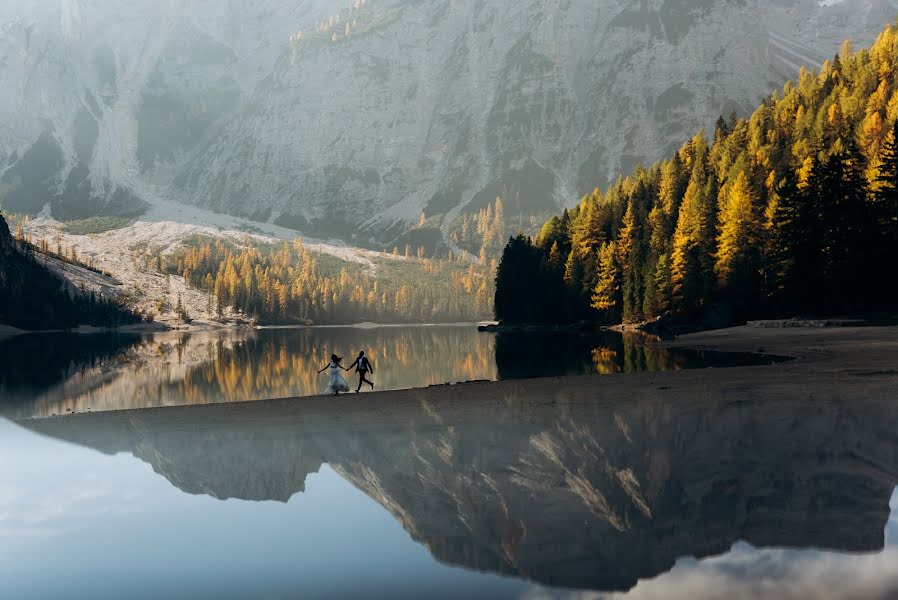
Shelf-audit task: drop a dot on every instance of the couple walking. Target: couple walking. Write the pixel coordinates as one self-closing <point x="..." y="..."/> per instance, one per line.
<point x="337" y="384"/>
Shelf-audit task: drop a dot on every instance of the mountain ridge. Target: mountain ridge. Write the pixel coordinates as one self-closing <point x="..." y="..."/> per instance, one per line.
<point x="433" y="107"/>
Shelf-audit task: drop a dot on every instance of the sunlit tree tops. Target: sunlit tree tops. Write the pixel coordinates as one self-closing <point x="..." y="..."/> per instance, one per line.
<point x="792" y="209"/>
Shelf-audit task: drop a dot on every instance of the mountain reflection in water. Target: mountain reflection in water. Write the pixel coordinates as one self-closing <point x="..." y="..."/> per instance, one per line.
<point x="55" y="374"/>
<point x="586" y="495"/>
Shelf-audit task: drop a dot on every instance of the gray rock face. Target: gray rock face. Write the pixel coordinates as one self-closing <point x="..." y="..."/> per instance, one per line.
<point x="390" y="108"/>
<point x="103" y="102"/>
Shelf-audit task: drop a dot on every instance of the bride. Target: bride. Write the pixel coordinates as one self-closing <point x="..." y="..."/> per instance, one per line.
<point x="336" y="384"/>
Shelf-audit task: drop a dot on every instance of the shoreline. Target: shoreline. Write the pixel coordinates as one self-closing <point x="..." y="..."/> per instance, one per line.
<point x="7" y="331"/>
<point x="844" y="363"/>
<point x="366" y="325"/>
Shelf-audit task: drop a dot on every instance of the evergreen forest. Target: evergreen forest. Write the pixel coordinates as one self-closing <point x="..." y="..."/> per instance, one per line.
<point x="289" y="283"/>
<point x="791" y="211"/>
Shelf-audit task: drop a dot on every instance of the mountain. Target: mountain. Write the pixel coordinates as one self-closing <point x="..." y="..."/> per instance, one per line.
<point x="352" y="122"/>
<point x="533" y="482"/>
<point x="104" y="101"/>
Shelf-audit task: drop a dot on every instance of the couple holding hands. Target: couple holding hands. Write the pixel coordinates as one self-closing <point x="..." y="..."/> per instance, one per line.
<point x="337" y="384"/>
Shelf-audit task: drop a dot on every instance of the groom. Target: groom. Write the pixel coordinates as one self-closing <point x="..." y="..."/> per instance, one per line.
<point x="363" y="367"/>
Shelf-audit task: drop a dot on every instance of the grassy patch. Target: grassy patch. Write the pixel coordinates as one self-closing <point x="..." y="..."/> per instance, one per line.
<point x="96" y="225"/>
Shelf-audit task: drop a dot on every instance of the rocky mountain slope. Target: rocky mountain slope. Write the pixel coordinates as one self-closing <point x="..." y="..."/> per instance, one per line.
<point x="105" y="100"/>
<point x="352" y="122"/>
<point x="164" y="229"/>
<point x="38" y="292"/>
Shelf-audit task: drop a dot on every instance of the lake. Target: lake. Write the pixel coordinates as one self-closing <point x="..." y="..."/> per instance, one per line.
<point x="513" y="499"/>
<point x="55" y="374"/>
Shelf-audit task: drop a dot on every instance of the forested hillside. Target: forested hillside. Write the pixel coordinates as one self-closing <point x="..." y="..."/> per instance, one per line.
<point x="793" y="210"/>
<point x="31" y="297"/>
<point x="288" y="283"/>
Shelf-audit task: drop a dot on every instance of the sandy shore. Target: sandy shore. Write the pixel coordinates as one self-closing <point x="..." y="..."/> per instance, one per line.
<point x="831" y="363"/>
<point x="855" y="344"/>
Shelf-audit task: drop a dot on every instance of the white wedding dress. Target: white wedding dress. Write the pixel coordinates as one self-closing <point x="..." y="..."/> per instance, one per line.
<point x="336" y="384"/>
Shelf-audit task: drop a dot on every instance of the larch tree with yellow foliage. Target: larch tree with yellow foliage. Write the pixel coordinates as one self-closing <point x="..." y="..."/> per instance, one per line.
<point x="737" y="263"/>
<point x="606" y="296"/>
<point x="790" y="210"/>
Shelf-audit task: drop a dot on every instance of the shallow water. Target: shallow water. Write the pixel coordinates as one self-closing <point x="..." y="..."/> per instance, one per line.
<point x="54" y="374"/>
<point x="271" y="500"/>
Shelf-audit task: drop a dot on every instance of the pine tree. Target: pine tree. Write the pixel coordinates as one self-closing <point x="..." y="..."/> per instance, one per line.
<point x="886" y="199"/>
<point x="660" y="302"/>
<point x="497" y="234"/>
<point x="887" y="202"/>
<point x="685" y="277"/>
<point x="629" y="257"/>
<point x="784" y="235"/>
<point x="551" y="233"/>
<point x="738" y="259"/>
<point x="514" y="280"/>
<point x="607" y="293"/>
<point x="554" y="259"/>
<point x="850" y="229"/>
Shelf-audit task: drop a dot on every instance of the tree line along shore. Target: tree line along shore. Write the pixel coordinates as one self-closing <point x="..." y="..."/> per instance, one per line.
<point x="791" y="211"/>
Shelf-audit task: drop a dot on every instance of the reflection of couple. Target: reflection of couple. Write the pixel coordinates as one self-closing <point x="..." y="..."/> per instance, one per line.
<point x="337" y="384"/>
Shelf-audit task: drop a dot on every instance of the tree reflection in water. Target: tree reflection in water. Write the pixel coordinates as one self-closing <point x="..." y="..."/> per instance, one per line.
<point x="112" y="372"/>
<point x="95" y="373"/>
<point x="30" y="364"/>
<point x="551" y="354"/>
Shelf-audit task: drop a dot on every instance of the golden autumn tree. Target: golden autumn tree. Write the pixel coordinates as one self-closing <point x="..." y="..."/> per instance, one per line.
<point x="738" y="236"/>
<point x="606" y="296"/>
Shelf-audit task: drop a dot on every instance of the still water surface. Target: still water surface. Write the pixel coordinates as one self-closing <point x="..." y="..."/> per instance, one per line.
<point x="55" y="374"/>
<point x="662" y="499"/>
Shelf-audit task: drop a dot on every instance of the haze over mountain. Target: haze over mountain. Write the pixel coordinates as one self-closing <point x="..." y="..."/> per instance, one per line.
<point x="347" y="121"/>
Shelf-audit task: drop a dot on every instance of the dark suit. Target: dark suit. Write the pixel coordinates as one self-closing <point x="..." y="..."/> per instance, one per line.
<point x="363" y="367"/>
